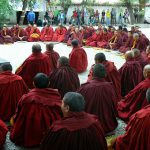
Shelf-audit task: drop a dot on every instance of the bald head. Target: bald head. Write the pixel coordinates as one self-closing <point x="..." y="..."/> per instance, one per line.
<point x="129" y="55"/>
<point x="148" y="95"/>
<point x="135" y="36"/>
<point x="99" y="58"/>
<point x="63" y="61"/>
<point x="136" y="52"/>
<point x="49" y="47"/>
<point x="146" y="71"/>
<point x="75" y="43"/>
<point x="36" y="48"/>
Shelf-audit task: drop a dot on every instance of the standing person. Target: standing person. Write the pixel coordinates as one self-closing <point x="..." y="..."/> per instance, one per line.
<point x="126" y="16"/>
<point x="31" y="17"/>
<point x="120" y="21"/>
<point x="82" y="16"/>
<point x="112" y="16"/>
<point x="62" y="17"/>
<point x="86" y="17"/>
<point x="136" y="14"/>
<point x="103" y="17"/>
<point x="51" y="17"/>
<point x="108" y="17"/>
<point x="96" y="17"/>
<point x="56" y="13"/>
<point x="75" y="14"/>
<point x="78" y="17"/>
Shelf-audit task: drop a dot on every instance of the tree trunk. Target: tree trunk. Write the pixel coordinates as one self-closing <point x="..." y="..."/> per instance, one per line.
<point x="130" y="9"/>
<point x="25" y="3"/>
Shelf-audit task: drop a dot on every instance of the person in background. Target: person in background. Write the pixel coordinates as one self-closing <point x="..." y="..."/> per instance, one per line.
<point x="86" y="17"/>
<point x="136" y="14"/>
<point x="31" y="17"/>
<point x="51" y="17"/>
<point x="61" y="17"/>
<point x="103" y="17"/>
<point x="56" y="13"/>
<point x="126" y="16"/>
<point x="120" y="21"/>
<point x="108" y="17"/>
<point x="39" y="22"/>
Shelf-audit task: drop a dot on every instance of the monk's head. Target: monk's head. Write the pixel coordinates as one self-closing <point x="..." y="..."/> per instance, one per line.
<point x="41" y="81"/>
<point x="148" y="50"/>
<point x="129" y="33"/>
<point x="36" y="48"/>
<point x="146" y="71"/>
<point x="148" y="95"/>
<point x="135" y="36"/>
<point x="136" y="52"/>
<point x="72" y="102"/>
<point x="104" y="30"/>
<point x="62" y="61"/>
<point x="129" y="55"/>
<point x="34" y="26"/>
<point x="75" y="43"/>
<point x="99" y="58"/>
<point x="5" y="67"/>
<point x="49" y="47"/>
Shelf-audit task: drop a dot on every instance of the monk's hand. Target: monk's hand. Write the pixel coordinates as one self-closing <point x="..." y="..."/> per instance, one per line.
<point x="112" y="143"/>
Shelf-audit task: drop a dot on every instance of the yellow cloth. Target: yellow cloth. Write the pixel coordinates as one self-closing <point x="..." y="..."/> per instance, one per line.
<point x="134" y="44"/>
<point x="108" y="14"/>
<point x="35" y="35"/>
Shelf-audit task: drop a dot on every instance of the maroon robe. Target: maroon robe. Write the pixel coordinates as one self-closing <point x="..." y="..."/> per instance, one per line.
<point x="131" y="75"/>
<point x="100" y="100"/>
<point x="103" y="41"/>
<point x="78" y="59"/>
<point x="21" y="35"/>
<point x="34" y="35"/>
<point x="67" y="35"/>
<point x="134" y="101"/>
<point x="36" y="112"/>
<point x="35" y="63"/>
<point x="78" y="131"/>
<point x="3" y="132"/>
<point x="53" y="58"/>
<point x="12" y="87"/>
<point x="47" y="34"/>
<point x="112" y="75"/>
<point x="137" y="132"/>
<point x="28" y="30"/>
<point x="65" y="79"/>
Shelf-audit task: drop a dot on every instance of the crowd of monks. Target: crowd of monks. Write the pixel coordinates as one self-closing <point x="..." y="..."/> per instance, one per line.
<point x="47" y="106"/>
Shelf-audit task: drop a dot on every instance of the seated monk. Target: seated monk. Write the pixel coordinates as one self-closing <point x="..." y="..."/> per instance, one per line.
<point x="6" y="35"/>
<point x="47" y="33"/>
<point x="135" y="99"/>
<point x="76" y="35"/>
<point x="3" y="132"/>
<point x="137" y="131"/>
<point x="124" y="34"/>
<point x="59" y="34"/>
<point x="131" y="73"/>
<point x="77" y="130"/>
<point x="78" y="58"/>
<point x="104" y="39"/>
<point x="92" y="40"/>
<point x="53" y="56"/>
<point x="12" y="87"/>
<point x="35" y="113"/>
<point x="21" y="35"/>
<point x="65" y="79"/>
<point x="28" y="29"/>
<point x="112" y="74"/>
<point x="68" y="32"/>
<point x="100" y="98"/>
<point x="34" y="34"/>
<point x="35" y="63"/>
<point x="128" y="44"/>
<point x="14" y="31"/>
<point x="148" y="54"/>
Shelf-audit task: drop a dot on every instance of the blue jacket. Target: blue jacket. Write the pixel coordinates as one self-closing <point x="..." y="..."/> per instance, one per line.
<point x="31" y="16"/>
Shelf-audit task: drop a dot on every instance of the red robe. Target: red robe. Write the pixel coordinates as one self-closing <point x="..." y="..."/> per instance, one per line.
<point x="103" y="41"/>
<point x="21" y="35"/>
<point x="28" y="30"/>
<point x="12" y="87"/>
<point x="100" y="100"/>
<point x="3" y="132"/>
<point x="35" y="63"/>
<point x="137" y="132"/>
<point x="79" y="131"/>
<point x="134" y="101"/>
<point x="47" y="34"/>
<point x="36" y="111"/>
<point x="78" y="59"/>
<point x="59" y="35"/>
<point x="112" y="75"/>
<point x="53" y="58"/>
<point x="34" y="35"/>
<point x="67" y="35"/>
<point x="142" y="61"/>
<point x="65" y="79"/>
<point x="131" y="75"/>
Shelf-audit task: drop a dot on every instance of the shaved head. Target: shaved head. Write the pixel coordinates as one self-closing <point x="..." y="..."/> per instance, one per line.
<point x="63" y="61"/>
<point x="49" y="46"/>
<point x="148" y="95"/>
<point x="136" y="52"/>
<point x="99" y="58"/>
<point x="36" y="48"/>
<point x="129" y="55"/>
<point x="146" y="71"/>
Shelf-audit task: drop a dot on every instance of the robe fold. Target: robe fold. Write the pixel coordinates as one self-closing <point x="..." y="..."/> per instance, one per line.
<point x="47" y="34"/>
<point x="12" y="87"/>
<point x="34" y="35"/>
<point x="35" y="113"/>
<point x="78" y="59"/>
<point x="3" y="132"/>
<point x="53" y="58"/>
<point x="134" y="101"/>
<point x="137" y="132"/>
<point x="21" y="35"/>
<point x="65" y="79"/>
<point x="35" y="63"/>
<point x="79" y="131"/>
<point x="28" y="31"/>
<point x="112" y="75"/>
<point x="142" y="60"/>
<point x="131" y="75"/>
<point x="103" y="41"/>
<point x="100" y="100"/>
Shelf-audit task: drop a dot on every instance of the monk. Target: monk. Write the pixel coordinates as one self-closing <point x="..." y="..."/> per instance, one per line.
<point x="148" y="54"/>
<point x="6" y="36"/>
<point x="65" y="79"/>
<point x="28" y="29"/>
<point x="137" y="131"/>
<point x="35" y="113"/>
<point x="47" y="33"/>
<point x="78" y="57"/>
<point x="21" y="35"/>
<point x="112" y="74"/>
<point x="100" y="98"/>
<point x="12" y="87"/>
<point x="77" y="130"/>
<point x="35" y="63"/>
<point x="68" y="33"/>
<point x="35" y="34"/>
<point x="135" y="99"/>
<point x="14" y="30"/>
<point x="3" y="132"/>
<point x="59" y="34"/>
<point x="131" y="73"/>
